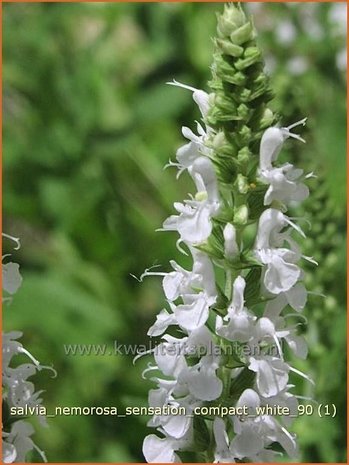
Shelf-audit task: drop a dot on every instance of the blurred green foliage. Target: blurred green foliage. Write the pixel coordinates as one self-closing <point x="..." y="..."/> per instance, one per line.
<point x="88" y="126"/>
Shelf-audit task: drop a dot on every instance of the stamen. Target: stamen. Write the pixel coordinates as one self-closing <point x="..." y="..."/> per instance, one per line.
<point x="150" y="368"/>
<point x="180" y="248"/>
<point x="310" y="260"/>
<point x="278" y="346"/>
<point x="28" y="354"/>
<point x="170" y="164"/>
<point x="308" y="399"/>
<point x="40" y="452"/>
<point x="179" y="84"/>
<point x="318" y="294"/>
<point x="310" y="175"/>
<point x="302" y="317"/>
<point x="295" y="226"/>
<point x="291" y="134"/>
<point x="146" y="352"/>
<point x="15" y="239"/>
<point x="300" y="373"/>
<point x="298" y="123"/>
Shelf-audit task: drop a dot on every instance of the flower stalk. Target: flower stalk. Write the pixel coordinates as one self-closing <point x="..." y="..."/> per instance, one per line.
<point x="223" y="339"/>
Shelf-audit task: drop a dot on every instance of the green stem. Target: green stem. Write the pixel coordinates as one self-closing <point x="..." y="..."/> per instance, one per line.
<point x="228" y="283"/>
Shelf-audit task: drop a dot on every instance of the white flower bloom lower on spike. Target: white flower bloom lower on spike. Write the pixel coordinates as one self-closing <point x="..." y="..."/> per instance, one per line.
<point x="284" y="181"/>
<point x="160" y="450"/>
<point x="272" y="142"/>
<point x="194" y="223"/>
<point x="272" y="374"/>
<point x="285" y="185"/>
<point x="231" y="248"/>
<point x="281" y="272"/>
<point x="239" y="321"/>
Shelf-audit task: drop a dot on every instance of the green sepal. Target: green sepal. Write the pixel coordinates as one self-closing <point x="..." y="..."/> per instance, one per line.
<point x="222" y="302"/>
<point x="202" y="437"/>
<point x="244" y="380"/>
<point x="229" y="49"/>
<point x="242" y="34"/>
<point x="250" y="59"/>
<point x="214" y="246"/>
<point x="241" y="215"/>
<point x="253" y="284"/>
<point x="242" y="184"/>
<point x="249" y="259"/>
<point x="255" y="201"/>
<point x="225" y="103"/>
<point x="244" y="156"/>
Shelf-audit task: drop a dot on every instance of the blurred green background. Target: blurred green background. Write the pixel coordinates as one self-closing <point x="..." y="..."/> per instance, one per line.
<point x="88" y="126"/>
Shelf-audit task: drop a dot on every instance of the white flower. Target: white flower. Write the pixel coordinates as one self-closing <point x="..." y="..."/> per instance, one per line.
<point x="272" y="142"/>
<point x="11" y="278"/>
<point x="202" y="380"/>
<point x="9" y="453"/>
<point x="239" y="320"/>
<point x="174" y="425"/>
<point x="256" y="432"/>
<point x="160" y="450"/>
<point x="163" y="321"/>
<point x="169" y="355"/>
<point x="194" y="220"/>
<point x="222" y="453"/>
<point x="272" y="374"/>
<point x="194" y="312"/>
<point x="20" y="438"/>
<point x="284" y="181"/>
<point x="284" y="399"/>
<point x="180" y="283"/>
<point x="248" y="440"/>
<point x="231" y="249"/>
<point x="204" y="176"/>
<point x="281" y="272"/>
<point x="188" y="153"/>
<point x="275" y="330"/>
<point x="296" y="297"/>
<point x="284" y="185"/>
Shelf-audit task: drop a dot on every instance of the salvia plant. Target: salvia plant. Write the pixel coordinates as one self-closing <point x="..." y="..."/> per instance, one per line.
<point x="231" y="321"/>
<point x="17" y="391"/>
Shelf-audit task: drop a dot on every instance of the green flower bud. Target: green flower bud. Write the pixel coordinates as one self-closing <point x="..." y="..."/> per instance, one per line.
<point x="243" y="156"/>
<point x="232" y="18"/>
<point x="230" y="49"/>
<point x="245" y="135"/>
<point x="225" y="103"/>
<point x="241" y="215"/>
<point x="243" y="111"/>
<point x="252" y="57"/>
<point x="267" y="119"/>
<point x="243" y="34"/>
<point x="242" y="184"/>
